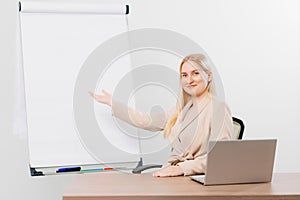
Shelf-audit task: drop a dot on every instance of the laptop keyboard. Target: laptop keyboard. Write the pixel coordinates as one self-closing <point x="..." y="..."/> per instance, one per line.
<point x="198" y="178"/>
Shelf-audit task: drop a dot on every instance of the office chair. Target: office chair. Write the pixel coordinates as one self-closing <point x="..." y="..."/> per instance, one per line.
<point x="238" y="128"/>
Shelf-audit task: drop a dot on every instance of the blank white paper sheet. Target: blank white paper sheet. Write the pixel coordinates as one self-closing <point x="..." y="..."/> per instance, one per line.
<point x="56" y="40"/>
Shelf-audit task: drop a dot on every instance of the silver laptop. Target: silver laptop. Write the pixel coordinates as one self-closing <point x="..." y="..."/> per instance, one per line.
<point x="238" y="161"/>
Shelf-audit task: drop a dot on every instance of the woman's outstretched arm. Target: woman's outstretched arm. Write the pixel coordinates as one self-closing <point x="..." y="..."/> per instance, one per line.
<point x="144" y="120"/>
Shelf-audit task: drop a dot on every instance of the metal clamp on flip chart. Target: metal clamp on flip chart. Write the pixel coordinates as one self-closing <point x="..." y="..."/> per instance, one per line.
<point x="83" y="8"/>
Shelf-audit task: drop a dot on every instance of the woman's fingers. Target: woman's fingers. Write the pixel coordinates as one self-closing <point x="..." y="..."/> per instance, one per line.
<point x="92" y="94"/>
<point x="169" y="171"/>
<point x="104" y="98"/>
<point x="104" y="92"/>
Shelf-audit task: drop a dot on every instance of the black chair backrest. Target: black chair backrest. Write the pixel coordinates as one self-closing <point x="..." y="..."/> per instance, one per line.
<point x="241" y="124"/>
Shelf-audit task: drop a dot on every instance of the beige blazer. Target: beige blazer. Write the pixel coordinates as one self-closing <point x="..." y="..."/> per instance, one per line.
<point x="210" y="119"/>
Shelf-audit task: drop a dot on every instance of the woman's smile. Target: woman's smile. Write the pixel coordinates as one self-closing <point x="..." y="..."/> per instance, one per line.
<point x="192" y="80"/>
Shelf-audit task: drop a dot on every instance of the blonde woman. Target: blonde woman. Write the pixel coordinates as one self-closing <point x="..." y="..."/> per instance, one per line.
<point x="198" y="117"/>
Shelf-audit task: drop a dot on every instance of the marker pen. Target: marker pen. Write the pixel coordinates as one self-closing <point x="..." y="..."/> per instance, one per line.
<point x="68" y="169"/>
<point x="97" y="169"/>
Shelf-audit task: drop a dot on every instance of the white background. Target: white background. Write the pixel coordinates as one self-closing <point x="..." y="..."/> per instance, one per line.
<point x="254" y="44"/>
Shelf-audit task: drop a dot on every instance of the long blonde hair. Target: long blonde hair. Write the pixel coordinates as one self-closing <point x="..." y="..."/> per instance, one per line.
<point x="203" y="64"/>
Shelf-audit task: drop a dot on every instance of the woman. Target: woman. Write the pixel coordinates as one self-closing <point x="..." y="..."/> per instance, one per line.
<point x="198" y="118"/>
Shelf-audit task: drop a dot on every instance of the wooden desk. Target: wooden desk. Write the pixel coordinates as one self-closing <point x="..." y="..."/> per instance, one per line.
<point x="96" y="186"/>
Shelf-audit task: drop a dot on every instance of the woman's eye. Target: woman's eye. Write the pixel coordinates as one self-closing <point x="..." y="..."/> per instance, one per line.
<point x="196" y="73"/>
<point x="184" y="75"/>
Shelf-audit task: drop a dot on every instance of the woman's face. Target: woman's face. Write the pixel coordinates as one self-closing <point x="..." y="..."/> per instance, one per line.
<point x="192" y="80"/>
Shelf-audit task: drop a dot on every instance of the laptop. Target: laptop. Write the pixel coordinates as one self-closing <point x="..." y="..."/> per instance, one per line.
<point x="238" y="161"/>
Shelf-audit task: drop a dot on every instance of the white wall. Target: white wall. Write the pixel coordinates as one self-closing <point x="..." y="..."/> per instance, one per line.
<point x="254" y="44"/>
